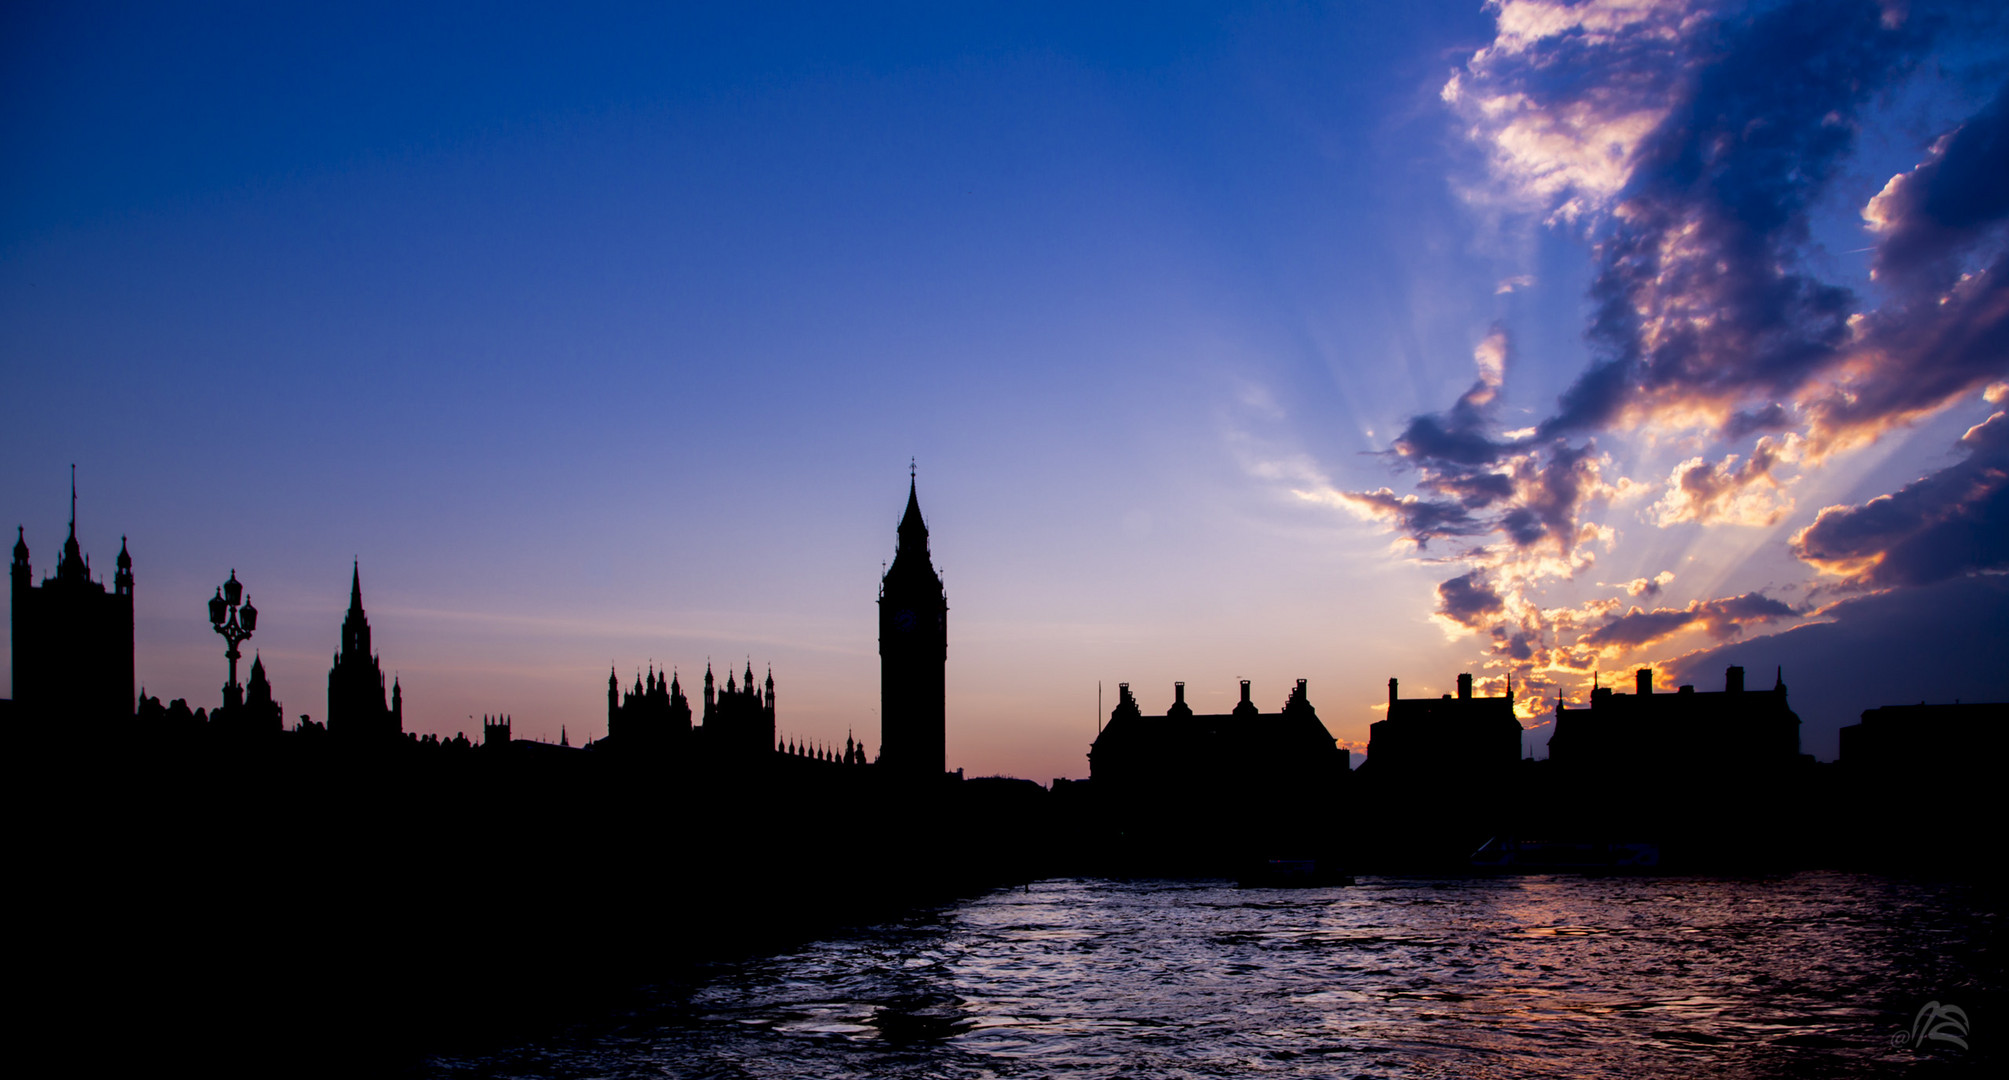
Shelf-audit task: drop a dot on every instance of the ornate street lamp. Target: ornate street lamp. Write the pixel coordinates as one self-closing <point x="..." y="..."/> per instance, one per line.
<point x="235" y="624"/>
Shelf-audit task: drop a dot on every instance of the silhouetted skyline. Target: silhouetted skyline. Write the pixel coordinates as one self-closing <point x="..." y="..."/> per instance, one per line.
<point x="1244" y="343"/>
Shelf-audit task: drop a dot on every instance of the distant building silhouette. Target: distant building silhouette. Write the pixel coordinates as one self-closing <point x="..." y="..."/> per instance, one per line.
<point x="73" y="639"/>
<point x="654" y="717"/>
<point x="1216" y="793"/>
<point x="1444" y="738"/>
<point x="1913" y="744"/>
<point x="356" y="708"/>
<point x="1188" y="752"/>
<point x="495" y="732"/>
<point x="258" y="716"/>
<point x="738" y="720"/>
<point x="913" y="655"/>
<point x="1622" y="735"/>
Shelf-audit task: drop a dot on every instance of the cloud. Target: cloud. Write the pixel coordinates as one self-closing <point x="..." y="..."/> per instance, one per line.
<point x="1701" y="302"/>
<point x="1945" y="329"/>
<point x="1468" y="599"/>
<point x="1690" y="143"/>
<point x="1421" y="520"/>
<point x="1570" y="145"/>
<point x="1726" y="492"/>
<point x="1721" y="619"/>
<point x="1951" y="523"/>
<point x="1648" y="587"/>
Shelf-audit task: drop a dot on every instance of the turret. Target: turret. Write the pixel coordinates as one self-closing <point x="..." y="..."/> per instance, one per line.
<point x="122" y="582"/>
<point x="1643" y="681"/>
<point x="21" y="572"/>
<point x="1465" y="687"/>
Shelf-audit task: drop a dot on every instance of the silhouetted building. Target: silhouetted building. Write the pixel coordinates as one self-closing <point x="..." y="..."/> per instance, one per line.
<point x="1185" y="754"/>
<point x="1195" y="793"/>
<point x="1914" y="744"/>
<point x="913" y="655"/>
<point x="654" y="717"/>
<point x="1457" y="739"/>
<point x="356" y="708"/>
<point x="258" y="716"/>
<point x="73" y="639"/>
<point x="494" y="732"/>
<point x="738" y="720"/>
<point x="1623" y="735"/>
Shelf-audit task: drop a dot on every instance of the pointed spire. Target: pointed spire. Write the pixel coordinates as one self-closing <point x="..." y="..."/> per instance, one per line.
<point x="20" y="544"/>
<point x="910" y="521"/>
<point x="356" y="586"/>
<point x="1779" y="681"/>
<point x="125" y="560"/>
<point x="73" y="501"/>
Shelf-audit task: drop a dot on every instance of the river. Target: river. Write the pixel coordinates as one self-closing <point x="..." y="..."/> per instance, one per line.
<point x="1814" y="974"/>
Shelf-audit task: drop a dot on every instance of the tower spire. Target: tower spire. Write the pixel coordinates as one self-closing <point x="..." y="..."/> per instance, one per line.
<point x="356" y="586"/>
<point x="73" y="501"/>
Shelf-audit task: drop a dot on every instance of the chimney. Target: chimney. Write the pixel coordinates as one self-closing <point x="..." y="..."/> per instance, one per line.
<point x="1464" y="688"/>
<point x="1178" y="694"/>
<point x="1733" y="681"/>
<point x="1643" y="682"/>
<point x="1391" y="695"/>
<point x="1245" y="691"/>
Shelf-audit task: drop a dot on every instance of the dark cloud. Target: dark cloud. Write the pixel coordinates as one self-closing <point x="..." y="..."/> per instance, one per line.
<point x="1698" y="294"/>
<point x="1772" y="417"/>
<point x="1721" y="619"/>
<point x="1448" y="438"/>
<point x="1422" y="520"/>
<point x="1946" y="525"/>
<point x="1934" y="643"/>
<point x="1945" y="330"/>
<point x="1942" y="207"/>
<point x="1468" y="599"/>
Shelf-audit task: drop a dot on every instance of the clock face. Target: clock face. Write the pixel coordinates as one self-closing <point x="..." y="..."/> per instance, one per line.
<point x="903" y="620"/>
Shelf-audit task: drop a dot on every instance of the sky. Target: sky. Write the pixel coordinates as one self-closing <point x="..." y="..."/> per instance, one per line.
<point x="1267" y="342"/>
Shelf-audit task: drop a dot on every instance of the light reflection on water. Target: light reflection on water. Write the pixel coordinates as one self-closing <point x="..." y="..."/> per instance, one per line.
<point x="1809" y="975"/>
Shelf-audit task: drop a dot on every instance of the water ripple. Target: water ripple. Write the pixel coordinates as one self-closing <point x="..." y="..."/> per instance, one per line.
<point x="1504" y="977"/>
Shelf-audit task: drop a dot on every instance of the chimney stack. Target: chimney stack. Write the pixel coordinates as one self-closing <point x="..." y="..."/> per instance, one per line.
<point x="1391" y="695"/>
<point x="1178" y="694"/>
<point x="1464" y="688"/>
<point x="1733" y="681"/>
<point x="1643" y="682"/>
<point x="1245" y="691"/>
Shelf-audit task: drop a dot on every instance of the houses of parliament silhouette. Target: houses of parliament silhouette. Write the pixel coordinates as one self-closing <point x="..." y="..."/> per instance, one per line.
<point x="1218" y="786"/>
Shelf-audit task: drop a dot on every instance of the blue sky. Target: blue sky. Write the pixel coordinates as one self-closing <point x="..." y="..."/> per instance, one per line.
<point x="605" y="336"/>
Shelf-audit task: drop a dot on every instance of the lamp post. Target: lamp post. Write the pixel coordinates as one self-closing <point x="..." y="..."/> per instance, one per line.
<point x="235" y="624"/>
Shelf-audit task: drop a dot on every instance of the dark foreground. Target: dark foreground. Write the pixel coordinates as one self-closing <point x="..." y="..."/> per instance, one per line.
<point x="1809" y="974"/>
<point x="307" y="907"/>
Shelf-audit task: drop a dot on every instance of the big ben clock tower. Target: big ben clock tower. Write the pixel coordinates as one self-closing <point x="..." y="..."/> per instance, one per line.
<point x="913" y="654"/>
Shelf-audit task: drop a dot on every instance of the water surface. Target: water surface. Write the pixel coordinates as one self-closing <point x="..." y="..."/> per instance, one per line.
<point x="1806" y="975"/>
